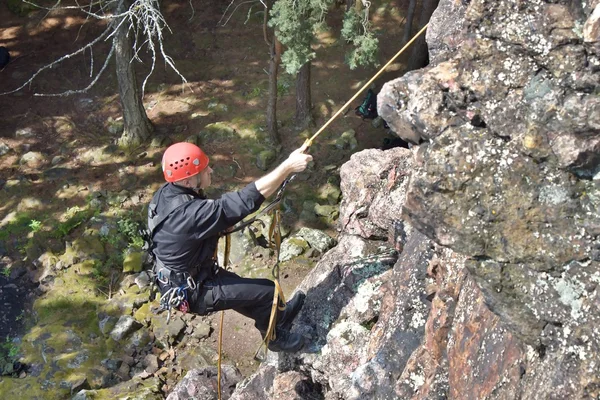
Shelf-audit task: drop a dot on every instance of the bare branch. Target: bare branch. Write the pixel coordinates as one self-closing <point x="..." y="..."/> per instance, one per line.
<point x="235" y="9"/>
<point x="225" y="13"/>
<point x="52" y="64"/>
<point x="84" y="90"/>
<point x="101" y="3"/>
<point x="193" y="11"/>
<point x="145" y="21"/>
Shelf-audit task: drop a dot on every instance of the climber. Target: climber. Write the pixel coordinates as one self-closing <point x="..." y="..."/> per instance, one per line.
<point x="185" y="227"/>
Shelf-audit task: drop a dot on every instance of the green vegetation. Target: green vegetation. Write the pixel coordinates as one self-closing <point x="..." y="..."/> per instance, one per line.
<point x="130" y="228"/>
<point x="297" y="24"/>
<point x="17" y="227"/>
<point x="356" y="30"/>
<point x="35" y="225"/>
<point x="19" y="7"/>
<point x="9" y="354"/>
<point x="75" y="216"/>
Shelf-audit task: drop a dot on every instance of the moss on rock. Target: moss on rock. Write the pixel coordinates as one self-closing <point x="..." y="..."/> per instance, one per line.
<point x="133" y="262"/>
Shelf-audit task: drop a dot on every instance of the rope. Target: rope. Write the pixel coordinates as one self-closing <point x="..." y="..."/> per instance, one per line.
<point x="275" y="242"/>
<point x="225" y="264"/>
<point x="220" y="349"/>
<point x="275" y="228"/>
<point x="308" y="142"/>
<point x="271" y="332"/>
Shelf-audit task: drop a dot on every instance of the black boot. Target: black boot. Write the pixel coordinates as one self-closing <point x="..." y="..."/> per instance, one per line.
<point x="286" y="342"/>
<point x="292" y="308"/>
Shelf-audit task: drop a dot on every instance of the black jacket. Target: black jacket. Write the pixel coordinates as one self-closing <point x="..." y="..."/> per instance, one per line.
<point x="189" y="235"/>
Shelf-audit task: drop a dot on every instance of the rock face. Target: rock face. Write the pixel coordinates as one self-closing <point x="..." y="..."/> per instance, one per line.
<point x="201" y="384"/>
<point x="509" y="174"/>
<point x="494" y="293"/>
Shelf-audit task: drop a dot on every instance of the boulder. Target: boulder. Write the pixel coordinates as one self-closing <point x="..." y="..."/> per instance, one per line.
<point x="265" y="158"/>
<point x="25" y="133"/>
<point x="317" y="239"/>
<point x="167" y="333"/>
<point x="133" y="262"/>
<point x="4" y="149"/>
<point x="347" y="140"/>
<point x="374" y="184"/>
<point x="201" y="384"/>
<point x="125" y="326"/>
<point x="134" y="389"/>
<point x="33" y="159"/>
<point x="292" y="247"/>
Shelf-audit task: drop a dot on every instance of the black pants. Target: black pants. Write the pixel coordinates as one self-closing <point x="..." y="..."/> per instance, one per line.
<point x="252" y="298"/>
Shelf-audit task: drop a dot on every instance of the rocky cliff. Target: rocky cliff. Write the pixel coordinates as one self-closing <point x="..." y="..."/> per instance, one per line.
<point x="467" y="267"/>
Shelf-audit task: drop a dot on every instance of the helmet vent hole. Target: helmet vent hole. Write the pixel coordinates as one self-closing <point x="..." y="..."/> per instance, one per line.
<point x="187" y="158"/>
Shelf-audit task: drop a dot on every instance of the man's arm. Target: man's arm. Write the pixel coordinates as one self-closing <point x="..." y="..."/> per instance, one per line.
<point x="296" y="162"/>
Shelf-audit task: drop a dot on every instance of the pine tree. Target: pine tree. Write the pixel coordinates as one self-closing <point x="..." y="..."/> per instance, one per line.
<point x="296" y="24"/>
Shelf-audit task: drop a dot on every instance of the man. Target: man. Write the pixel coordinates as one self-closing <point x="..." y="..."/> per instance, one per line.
<point x="185" y="227"/>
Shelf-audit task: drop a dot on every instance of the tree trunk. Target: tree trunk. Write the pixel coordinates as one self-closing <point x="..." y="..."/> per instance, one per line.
<point x="303" y="116"/>
<point x="272" y="99"/>
<point x="420" y="55"/>
<point x="410" y="14"/>
<point x="137" y="126"/>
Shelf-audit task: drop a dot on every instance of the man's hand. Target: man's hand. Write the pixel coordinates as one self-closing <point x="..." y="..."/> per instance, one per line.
<point x="298" y="160"/>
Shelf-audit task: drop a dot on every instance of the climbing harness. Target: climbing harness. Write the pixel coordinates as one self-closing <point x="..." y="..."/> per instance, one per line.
<point x="275" y="228"/>
<point x="175" y="297"/>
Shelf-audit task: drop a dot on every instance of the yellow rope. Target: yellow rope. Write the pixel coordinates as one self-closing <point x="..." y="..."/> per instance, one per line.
<point x="225" y="264"/>
<point x="220" y="349"/>
<point x="271" y="332"/>
<point x="308" y="142"/>
<point x="278" y="296"/>
<point x="275" y="233"/>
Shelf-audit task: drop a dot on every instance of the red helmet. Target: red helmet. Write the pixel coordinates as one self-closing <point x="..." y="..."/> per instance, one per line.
<point x="183" y="160"/>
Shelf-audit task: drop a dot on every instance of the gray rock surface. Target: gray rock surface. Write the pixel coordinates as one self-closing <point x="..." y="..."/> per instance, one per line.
<point x="505" y="176"/>
<point x="374" y="186"/>
<point x="201" y="384"/>
<point x="4" y="149"/>
<point x="125" y="326"/>
<point x="292" y="247"/>
<point x="317" y="239"/>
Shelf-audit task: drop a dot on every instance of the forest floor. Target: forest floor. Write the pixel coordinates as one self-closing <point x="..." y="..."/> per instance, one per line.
<point x="225" y="66"/>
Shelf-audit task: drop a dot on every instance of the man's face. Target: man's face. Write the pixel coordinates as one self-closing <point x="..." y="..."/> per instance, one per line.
<point x="200" y="181"/>
<point x="204" y="178"/>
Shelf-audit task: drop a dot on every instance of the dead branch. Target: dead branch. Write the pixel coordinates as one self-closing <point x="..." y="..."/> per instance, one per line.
<point x="145" y="21"/>
<point x="235" y="9"/>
